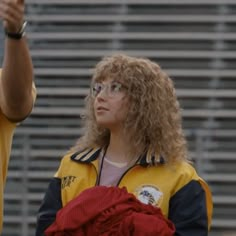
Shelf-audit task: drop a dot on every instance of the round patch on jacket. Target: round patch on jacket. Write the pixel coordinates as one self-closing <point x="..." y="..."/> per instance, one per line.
<point x="149" y="194"/>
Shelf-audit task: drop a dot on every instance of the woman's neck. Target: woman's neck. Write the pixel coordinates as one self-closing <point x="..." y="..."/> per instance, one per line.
<point x="118" y="148"/>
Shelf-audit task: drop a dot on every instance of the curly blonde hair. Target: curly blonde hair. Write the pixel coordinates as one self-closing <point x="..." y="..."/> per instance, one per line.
<point x="153" y="122"/>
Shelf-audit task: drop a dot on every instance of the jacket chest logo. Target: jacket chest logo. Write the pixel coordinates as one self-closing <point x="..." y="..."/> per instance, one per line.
<point x="149" y="194"/>
<point x="67" y="181"/>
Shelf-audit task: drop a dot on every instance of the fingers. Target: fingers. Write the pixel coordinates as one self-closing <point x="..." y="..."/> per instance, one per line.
<point x="22" y="2"/>
<point x="12" y="13"/>
<point x="11" y="10"/>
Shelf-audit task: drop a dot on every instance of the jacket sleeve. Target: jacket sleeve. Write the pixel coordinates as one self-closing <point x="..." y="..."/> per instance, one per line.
<point x="49" y="207"/>
<point x="188" y="210"/>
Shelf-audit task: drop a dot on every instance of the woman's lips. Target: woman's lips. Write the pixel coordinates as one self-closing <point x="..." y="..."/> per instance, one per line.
<point x="101" y="108"/>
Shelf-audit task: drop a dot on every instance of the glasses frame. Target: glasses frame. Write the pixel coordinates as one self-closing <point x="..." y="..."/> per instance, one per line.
<point x="110" y="92"/>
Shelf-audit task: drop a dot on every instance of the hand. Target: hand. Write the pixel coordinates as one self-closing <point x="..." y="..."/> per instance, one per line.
<point x="12" y="14"/>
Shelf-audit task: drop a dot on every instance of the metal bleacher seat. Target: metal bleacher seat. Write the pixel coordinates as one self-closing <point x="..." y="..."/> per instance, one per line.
<point x="194" y="41"/>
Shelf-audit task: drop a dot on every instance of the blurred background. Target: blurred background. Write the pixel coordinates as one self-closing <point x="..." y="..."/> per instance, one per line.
<point x="194" y="41"/>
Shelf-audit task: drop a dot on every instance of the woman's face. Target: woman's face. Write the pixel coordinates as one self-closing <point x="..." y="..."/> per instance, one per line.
<point x="110" y="105"/>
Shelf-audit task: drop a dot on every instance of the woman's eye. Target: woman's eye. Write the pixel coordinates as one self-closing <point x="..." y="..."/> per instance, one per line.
<point x="115" y="87"/>
<point x="97" y="89"/>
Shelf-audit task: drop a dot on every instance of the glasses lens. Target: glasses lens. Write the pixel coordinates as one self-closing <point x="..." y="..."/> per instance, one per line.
<point x="114" y="88"/>
<point x="97" y="87"/>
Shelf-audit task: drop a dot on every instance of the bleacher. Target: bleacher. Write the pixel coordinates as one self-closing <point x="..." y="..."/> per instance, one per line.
<point x="194" y="41"/>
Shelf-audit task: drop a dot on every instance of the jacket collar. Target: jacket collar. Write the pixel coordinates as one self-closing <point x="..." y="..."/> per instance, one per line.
<point x="87" y="155"/>
<point x="92" y="154"/>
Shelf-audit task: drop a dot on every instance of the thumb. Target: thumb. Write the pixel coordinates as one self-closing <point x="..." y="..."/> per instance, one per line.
<point x="5" y="24"/>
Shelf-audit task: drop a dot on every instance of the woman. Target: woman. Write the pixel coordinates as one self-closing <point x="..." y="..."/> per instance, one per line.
<point x="133" y="139"/>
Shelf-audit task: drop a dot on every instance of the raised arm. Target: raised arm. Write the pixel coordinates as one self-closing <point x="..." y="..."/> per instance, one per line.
<point x="16" y="79"/>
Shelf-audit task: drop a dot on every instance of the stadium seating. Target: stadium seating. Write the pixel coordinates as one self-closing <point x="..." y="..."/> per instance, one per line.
<point x="194" y="41"/>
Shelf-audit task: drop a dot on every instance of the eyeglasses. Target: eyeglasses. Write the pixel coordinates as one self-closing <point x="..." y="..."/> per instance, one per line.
<point x="111" y="89"/>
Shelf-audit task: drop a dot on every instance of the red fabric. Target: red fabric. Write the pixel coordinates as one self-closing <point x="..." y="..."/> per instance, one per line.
<point x="109" y="211"/>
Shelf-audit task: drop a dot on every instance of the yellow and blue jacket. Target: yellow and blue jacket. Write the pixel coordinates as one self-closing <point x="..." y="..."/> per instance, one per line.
<point x="182" y="195"/>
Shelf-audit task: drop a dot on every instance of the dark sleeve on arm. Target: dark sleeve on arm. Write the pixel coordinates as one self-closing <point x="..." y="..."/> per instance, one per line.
<point x="49" y="207"/>
<point x="188" y="210"/>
